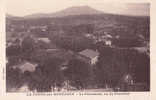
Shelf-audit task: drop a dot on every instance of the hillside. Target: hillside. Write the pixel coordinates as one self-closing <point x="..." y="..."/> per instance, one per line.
<point x="78" y="10"/>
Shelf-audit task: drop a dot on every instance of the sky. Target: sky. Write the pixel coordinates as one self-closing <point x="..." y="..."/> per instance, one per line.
<point x="27" y="7"/>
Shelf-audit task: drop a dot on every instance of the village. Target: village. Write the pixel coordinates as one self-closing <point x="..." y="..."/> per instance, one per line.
<point x="78" y="53"/>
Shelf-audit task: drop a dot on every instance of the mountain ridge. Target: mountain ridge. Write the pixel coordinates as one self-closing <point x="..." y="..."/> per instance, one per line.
<point x="75" y="10"/>
<point x="71" y="11"/>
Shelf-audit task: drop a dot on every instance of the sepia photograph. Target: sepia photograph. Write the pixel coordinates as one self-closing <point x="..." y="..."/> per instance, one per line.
<point x="77" y="47"/>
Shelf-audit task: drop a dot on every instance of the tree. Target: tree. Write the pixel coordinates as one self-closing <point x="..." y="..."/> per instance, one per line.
<point x="109" y="68"/>
<point x="47" y="75"/>
<point x="13" y="50"/>
<point x="142" y="69"/>
<point x="129" y="41"/>
<point x="28" y="45"/>
<point x="14" y="60"/>
<point x="13" y="78"/>
<point x="78" y="73"/>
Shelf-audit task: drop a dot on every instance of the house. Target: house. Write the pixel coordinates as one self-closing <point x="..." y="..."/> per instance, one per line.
<point x="27" y="66"/>
<point x="108" y="42"/>
<point x="89" y="56"/>
<point x="106" y="36"/>
<point x="23" y="88"/>
<point x="88" y="35"/>
<point x="125" y="83"/>
<point x="45" y="40"/>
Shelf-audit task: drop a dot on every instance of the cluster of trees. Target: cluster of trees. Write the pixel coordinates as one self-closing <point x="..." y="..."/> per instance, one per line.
<point x="79" y="29"/>
<point x="111" y="67"/>
<point x="113" y="64"/>
<point x="20" y="51"/>
<point x="14" y="78"/>
<point x="48" y="73"/>
<point x="75" y="43"/>
<point x="78" y="73"/>
<point x="25" y="49"/>
<point x="48" y="76"/>
<point x="128" y="42"/>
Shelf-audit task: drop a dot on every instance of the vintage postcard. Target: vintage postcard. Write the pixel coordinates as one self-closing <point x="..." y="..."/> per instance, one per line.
<point x="76" y="48"/>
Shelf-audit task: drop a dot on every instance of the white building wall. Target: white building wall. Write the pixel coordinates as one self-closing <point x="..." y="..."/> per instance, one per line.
<point x="94" y="60"/>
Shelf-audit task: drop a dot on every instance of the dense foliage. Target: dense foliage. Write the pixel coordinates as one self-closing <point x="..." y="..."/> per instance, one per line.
<point x="70" y="34"/>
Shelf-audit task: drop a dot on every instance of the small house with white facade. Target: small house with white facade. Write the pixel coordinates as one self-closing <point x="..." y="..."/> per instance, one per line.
<point x="45" y="40"/>
<point x="27" y="66"/>
<point x="89" y="56"/>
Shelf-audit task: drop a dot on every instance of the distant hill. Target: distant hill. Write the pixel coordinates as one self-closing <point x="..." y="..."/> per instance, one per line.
<point x="78" y="10"/>
<point x="9" y="16"/>
<point x="12" y="17"/>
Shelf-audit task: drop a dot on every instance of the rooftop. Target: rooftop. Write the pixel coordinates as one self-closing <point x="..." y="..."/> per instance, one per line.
<point x="27" y="66"/>
<point x="89" y="53"/>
